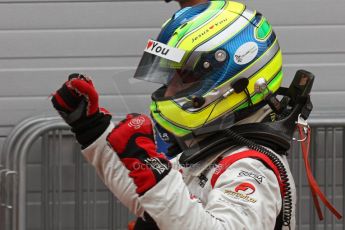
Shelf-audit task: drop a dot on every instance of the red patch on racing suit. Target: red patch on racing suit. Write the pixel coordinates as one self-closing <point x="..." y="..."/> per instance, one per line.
<point x="246" y="188"/>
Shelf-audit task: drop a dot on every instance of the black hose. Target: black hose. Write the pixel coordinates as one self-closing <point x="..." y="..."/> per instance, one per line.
<point x="287" y="198"/>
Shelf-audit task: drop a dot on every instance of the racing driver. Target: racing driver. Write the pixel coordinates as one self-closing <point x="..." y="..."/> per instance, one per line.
<point x="220" y="67"/>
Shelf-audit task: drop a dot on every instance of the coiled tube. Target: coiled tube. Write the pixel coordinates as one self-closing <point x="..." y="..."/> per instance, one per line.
<point x="287" y="198"/>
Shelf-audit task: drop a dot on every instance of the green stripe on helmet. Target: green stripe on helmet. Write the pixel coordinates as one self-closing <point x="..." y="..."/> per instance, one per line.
<point x="264" y="30"/>
<point x="200" y="20"/>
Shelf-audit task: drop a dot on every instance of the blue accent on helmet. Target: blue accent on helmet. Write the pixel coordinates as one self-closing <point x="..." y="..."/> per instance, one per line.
<point x="163" y="139"/>
<point x="230" y="69"/>
<point x="180" y="12"/>
<point x="162" y="146"/>
<point x="180" y="17"/>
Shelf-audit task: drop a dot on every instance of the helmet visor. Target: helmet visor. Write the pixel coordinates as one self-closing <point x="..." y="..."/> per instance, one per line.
<point x="159" y="63"/>
<point x="164" y="65"/>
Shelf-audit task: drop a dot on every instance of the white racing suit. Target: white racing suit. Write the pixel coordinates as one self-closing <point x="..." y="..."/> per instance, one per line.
<point x="231" y="190"/>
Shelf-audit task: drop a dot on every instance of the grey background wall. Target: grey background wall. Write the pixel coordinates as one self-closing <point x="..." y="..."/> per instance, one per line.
<point x="42" y="41"/>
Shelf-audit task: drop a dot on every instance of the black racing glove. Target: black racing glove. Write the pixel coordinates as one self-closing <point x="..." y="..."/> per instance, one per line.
<point x="77" y="103"/>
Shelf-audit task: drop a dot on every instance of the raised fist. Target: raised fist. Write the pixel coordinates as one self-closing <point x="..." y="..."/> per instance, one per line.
<point x="76" y="98"/>
<point x="77" y="103"/>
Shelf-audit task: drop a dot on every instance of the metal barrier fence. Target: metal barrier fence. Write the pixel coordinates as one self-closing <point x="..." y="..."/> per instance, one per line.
<point x="46" y="184"/>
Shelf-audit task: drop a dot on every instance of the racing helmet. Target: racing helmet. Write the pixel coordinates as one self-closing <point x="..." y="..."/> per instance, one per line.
<point x="216" y="62"/>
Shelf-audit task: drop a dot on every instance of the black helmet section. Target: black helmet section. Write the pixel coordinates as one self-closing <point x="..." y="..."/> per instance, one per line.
<point x="296" y="102"/>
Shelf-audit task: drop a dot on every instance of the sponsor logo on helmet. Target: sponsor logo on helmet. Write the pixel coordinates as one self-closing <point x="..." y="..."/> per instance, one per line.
<point x="209" y="29"/>
<point x="246" y="53"/>
<point x="256" y="177"/>
<point x="162" y="50"/>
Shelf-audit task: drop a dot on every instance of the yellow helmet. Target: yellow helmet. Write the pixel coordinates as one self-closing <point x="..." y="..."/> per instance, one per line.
<point x="214" y="60"/>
